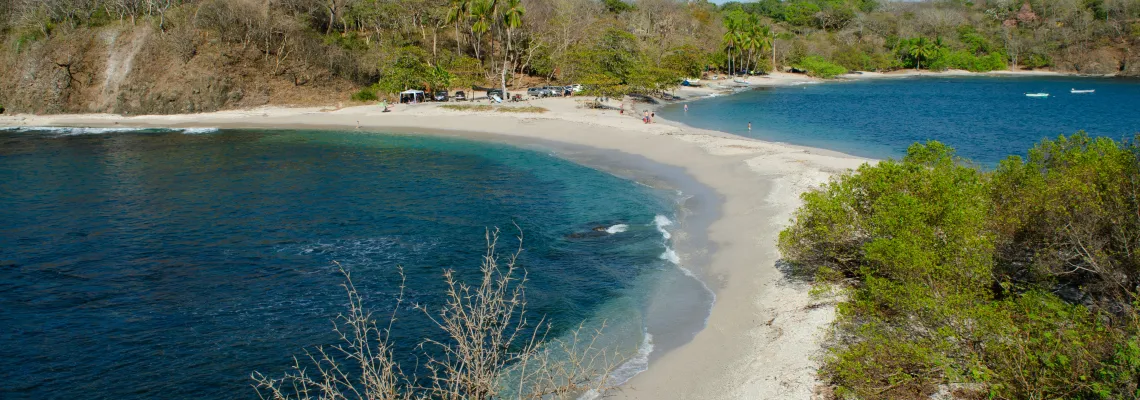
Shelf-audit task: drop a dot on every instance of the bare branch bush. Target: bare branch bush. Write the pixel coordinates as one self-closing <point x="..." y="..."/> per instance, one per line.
<point x="360" y="367"/>
<point x="491" y="350"/>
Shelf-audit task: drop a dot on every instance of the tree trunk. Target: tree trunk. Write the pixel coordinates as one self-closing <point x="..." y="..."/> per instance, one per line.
<point x="458" y="52"/>
<point x="506" y="64"/>
<point x="728" y="54"/>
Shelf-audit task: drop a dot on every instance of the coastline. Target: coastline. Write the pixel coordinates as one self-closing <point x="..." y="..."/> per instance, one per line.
<point x="726" y="86"/>
<point x="763" y="333"/>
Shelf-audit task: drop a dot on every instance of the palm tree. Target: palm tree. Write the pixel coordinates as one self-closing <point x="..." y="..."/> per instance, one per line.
<point x="741" y="41"/>
<point x="751" y="37"/>
<point x="767" y="38"/>
<point x="458" y="11"/>
<point x="920" y="49"/>
<point x="512" y="19"/>
<point x="482" y="16"/>
<point x="730" y="41"/>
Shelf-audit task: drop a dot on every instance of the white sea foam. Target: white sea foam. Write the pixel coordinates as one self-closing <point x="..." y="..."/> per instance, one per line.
<point x="671" y="256"/>
<point x="619" y="228"/>
<point x="661" y="221"/>
<point x="70" y="131"/>
<point x="623" y="373"/>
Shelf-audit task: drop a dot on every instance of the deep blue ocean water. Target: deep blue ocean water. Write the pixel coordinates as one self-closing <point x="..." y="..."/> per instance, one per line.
<point x="985" y="118"/>
<point x="161" y="264"/>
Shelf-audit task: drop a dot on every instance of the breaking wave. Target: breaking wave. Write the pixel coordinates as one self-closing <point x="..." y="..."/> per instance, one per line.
<point x="619" y="228"/>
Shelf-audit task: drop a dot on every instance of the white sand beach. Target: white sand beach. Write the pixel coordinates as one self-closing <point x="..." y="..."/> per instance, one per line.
<point x="762" y="339"/>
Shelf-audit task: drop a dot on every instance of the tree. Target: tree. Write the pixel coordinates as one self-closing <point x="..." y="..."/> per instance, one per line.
<point x="411" y="70"/>
<point x="766" y="39"/>
<point x="730" y="38"/>
<point x="458" y="11"/>
<point x="687" y="60"/>
<point x="920" y="49"/>
<point x="482" y="16"/>
<point x="512" y="19"/>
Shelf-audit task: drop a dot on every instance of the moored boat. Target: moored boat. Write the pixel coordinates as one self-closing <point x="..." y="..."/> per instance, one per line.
<point x="1037" y="95"/>
<point x="1082" y="91"/>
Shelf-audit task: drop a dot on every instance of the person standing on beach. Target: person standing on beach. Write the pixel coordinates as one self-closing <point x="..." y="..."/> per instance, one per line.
<point x="645" y="117"/>
<point x="652" y="116"/>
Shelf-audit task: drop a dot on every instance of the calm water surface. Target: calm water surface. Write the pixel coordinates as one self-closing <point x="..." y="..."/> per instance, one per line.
<point x="985" y="118"/>
<point x="161" y="264"/>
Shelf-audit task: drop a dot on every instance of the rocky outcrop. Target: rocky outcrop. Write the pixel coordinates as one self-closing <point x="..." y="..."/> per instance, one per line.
<point x="1131" y="62"/>
<point x="1102" y="61"/>
<point x="136" y="70"/>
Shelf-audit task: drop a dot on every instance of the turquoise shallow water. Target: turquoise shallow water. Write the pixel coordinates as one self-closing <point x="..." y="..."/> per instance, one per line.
<point x="165" y="264"/>
<point x="985" y="118"/>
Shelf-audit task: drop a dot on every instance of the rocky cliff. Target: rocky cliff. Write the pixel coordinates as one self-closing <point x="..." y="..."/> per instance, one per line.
<point x="135" y="69"/>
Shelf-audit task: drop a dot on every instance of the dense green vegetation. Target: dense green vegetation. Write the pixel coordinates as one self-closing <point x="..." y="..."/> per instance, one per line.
<point x="1015" y="283"/>
<point x="614" y="46"/>
<point x="818" y="67"/>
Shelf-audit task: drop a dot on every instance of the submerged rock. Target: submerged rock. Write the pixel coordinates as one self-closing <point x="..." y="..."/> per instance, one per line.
<point x="596" y="231"/>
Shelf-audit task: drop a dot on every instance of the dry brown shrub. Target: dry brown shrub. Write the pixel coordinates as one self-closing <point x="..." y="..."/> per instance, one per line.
<point x="492" y="350"/>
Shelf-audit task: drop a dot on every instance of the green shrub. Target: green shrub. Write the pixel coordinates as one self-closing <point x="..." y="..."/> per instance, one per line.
<point x="366" y="94"/>
<point x="818" y="67"/>
<point x="963" y="59"/>
<point x="951" y="273"/>
<point x="856" y="58"/>
<point x="1034" y="61"/>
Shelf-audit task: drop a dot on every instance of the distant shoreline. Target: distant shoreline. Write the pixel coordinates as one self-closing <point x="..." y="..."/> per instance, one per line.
<point x="728" y="86"/>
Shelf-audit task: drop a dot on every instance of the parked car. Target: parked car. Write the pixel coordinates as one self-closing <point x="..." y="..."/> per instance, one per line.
<point x="554" y="90"/>
<point x="440" y="95"/>
<point x="575" y="87"/>
<point x="537" y="92"/>
<point x="496" y="92"/>
<point x="460" y="96"/>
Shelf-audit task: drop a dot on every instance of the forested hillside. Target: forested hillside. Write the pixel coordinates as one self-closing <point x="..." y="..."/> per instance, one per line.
<point x="170" y="56"/>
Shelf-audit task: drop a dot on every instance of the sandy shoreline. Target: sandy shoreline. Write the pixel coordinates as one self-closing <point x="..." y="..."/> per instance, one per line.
<point x="762" y="334"/>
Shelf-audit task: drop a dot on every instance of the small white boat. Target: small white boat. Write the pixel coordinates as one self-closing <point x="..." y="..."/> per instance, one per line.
<point x="1082" y="91"/>
<point x="741" y="81"/>
<point x="1037" y="95"/>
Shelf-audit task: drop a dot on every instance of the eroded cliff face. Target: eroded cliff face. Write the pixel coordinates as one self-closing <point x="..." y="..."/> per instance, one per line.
<point x="138" y="70"/>
<point x="1107" y="60"/>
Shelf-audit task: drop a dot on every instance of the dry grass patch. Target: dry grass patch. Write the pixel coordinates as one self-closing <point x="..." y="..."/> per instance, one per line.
<point x="525" y="109"/>
<point x="487" y="107"/>
<point x="467" y="107"/>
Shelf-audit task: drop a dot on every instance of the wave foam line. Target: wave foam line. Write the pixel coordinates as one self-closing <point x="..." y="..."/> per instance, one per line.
<point x="627" y="370"/>
<point x="69" y="131"/>
<point x="661" y="221"/>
